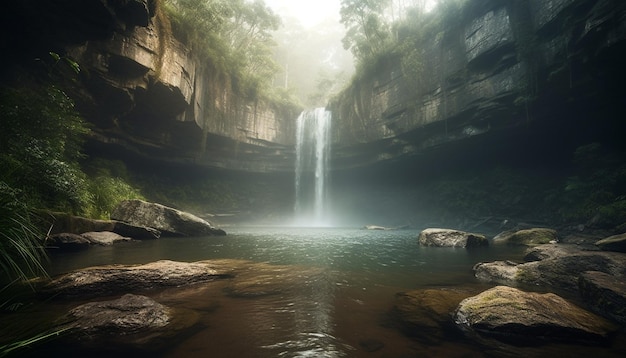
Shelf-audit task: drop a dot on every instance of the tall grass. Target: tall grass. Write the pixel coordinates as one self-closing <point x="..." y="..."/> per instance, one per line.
<point x="21" y="243"/>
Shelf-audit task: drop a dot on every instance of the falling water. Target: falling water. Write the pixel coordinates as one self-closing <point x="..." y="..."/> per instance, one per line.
<point x="312" y="157"/>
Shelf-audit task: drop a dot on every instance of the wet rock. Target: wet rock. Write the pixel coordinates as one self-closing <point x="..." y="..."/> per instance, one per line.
<point x="451" y="238"/>
<point x="604" y="294"/>
<point x="519" y="317"/>
<point x="169" y="221"/>
<point x="262" y="279"/>
<point x="65" y="223"/>
<point x="528" y="237"/>
<point x="426" y="314"/>
<point x="104" y="238"/>
<point x="613" y="243"/>
<point x="132" y="320"/>
<point x="554" y="266"/>
<point x="543" y="252"/>
<point x="111" y="279"/>
<point x="67" y="241"/>
<point x="504" y="272"/>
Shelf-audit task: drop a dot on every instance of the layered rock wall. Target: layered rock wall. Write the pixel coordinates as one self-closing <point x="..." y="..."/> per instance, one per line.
<point x="497" y="69"/>
<point x="148" y="95"/>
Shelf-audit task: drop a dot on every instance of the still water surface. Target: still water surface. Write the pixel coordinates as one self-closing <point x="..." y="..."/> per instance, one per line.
<point x="339" y="304"/>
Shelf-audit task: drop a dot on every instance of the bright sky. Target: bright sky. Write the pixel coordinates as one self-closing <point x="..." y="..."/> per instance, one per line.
<point x="312" y="12"/>
<point x="309" y="12"/>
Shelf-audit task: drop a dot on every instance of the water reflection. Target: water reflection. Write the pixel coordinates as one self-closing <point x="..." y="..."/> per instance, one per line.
<point x="313" y="313"/>
<point x="302" y="293"/>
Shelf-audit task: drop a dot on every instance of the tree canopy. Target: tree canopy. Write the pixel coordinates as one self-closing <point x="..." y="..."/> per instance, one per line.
<point x="232" y="35"/>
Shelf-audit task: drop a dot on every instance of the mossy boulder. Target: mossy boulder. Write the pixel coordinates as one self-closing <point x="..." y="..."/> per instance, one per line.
<point x="527" y="237"/>
<point x="519" y="317"/>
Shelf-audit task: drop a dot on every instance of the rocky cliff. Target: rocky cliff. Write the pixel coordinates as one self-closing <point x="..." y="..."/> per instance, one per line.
<point x="145" y="92"/>
<point x="517" y="72"/>
<point x="529" y="73"/>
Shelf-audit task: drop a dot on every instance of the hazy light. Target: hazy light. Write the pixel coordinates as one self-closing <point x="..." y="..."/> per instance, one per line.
<point x="313" y="12"/>
<point x="309" y="12"/>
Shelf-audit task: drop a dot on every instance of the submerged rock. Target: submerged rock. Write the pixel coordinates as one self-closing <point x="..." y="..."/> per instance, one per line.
<point x="427" y="314"/>
<point x="111" y="279"/>
<point x="528" y="237"/>
<point x="519" y="317"/>
<point x="132" y="320"/>
<point x="451" y="238"/>
<point x="169" y="221"/>
<point x="604" y="294"/>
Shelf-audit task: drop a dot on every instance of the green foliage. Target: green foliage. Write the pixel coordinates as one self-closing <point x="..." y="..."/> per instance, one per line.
<point x="107" y="192"/>
<point x="232" y="36"/>
<point x="596" y="193"/>
<point x="40" y="141"/>
<point x="17" y="346"/>
<point x="367" y="31"/>
<point x="21" y="243"/>
<point x="109" y="183"/>
<point x="376" y="38"/>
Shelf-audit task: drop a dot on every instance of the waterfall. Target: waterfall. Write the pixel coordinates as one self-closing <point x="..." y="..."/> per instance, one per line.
<point x="312" y="159"/>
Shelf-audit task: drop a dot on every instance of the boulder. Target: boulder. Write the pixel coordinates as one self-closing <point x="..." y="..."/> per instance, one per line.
<point x="104" y="238"/>
<point x="555" y="266"/>
<point x="528" y="237"/>
<point x="519" y="317"/>
<point x="67" y="241"/>
<point x="111" y="279"/>
<point x="130" y="321"/>
<point x="66" y="223"/>
<point x="167" y="220"/>
<point x="136" y="232"/>
<point x="613" y="243"/>
<point x="451" y="238"/>
<point x="604" y="294"/>
<point x="426" y="314"/>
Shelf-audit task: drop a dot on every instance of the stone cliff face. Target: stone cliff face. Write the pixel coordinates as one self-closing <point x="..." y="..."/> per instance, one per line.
<point x="508" y="69"/>
<point x="147" y="95"/>
<point x="505" y="69"/>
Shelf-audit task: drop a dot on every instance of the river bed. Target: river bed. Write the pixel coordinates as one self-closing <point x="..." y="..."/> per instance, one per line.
<point x="339" y="307"/>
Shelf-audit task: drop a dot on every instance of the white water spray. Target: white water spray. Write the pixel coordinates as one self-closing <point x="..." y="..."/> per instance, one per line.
<point x="312" y="159"/>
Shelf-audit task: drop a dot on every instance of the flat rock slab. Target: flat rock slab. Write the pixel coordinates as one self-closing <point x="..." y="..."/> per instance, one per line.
<point x="519" y="317"/>
<point x="111" y="279"/>
<point x="451" y="238"/>
<point x="604" y="294"/>
<point x="169" y="221"/>
<point x="104" y="238"/>
<point x="132" y="320"/>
